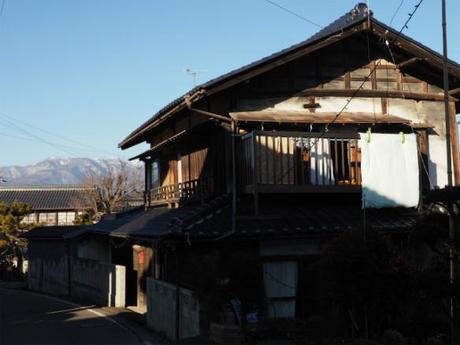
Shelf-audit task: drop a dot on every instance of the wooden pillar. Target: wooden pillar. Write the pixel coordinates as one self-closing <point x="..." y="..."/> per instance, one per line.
<point x="422" y="138"/>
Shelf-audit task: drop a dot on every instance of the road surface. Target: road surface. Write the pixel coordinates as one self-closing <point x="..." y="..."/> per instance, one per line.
<point x="29" y="318"/>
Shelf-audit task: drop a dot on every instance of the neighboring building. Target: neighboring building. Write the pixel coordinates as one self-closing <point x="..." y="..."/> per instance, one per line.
<point x="250" y="175"/>
<point x="52" y="204"/>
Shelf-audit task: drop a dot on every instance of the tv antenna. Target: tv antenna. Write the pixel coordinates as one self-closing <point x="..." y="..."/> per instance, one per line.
<point x="194" y="73"/>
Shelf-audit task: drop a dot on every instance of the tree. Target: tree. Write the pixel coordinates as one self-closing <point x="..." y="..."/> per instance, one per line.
<point x="11" y="246"/>
<point x="110" y="191"/>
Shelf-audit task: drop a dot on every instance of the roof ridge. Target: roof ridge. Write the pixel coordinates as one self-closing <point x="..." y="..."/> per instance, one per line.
<point x="45" y="187"/>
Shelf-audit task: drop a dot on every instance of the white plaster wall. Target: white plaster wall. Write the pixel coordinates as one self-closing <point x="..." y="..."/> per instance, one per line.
<point x="430" y="112"/>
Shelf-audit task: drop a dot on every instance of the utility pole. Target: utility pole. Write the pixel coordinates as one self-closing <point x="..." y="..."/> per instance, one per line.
<point x="453" y="270"/>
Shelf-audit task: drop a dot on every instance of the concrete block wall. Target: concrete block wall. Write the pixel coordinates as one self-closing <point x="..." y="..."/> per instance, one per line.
<point x="161" y="310"/>
<point x="49" y="276"/>
<point x="89" y="280"/>
<point x="97" y="282"/>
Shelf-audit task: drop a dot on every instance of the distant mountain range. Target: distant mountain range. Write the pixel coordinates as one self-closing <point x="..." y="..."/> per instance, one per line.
<point x="59" y="171"/>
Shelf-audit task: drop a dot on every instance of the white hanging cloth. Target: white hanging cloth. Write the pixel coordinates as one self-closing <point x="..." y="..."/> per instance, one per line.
<point x="390" y="170"/>
<point x="321" y="165"/>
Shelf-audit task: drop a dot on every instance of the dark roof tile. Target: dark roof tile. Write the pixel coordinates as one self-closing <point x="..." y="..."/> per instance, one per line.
<point x="64" y="197"/>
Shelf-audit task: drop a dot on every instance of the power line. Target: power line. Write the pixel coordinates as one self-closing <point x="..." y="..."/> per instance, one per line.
<point x="12" y="125"/>
<point x="396" y="12"/>
<point x="84" y="147"/>
<point x="366" y="79"/>
<point x="293" y="13"/>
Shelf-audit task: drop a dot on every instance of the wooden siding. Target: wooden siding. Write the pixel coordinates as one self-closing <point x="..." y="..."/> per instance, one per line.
<point x="290" y="158"/>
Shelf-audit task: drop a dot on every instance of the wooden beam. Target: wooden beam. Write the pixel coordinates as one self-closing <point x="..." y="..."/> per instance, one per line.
<point x="298" y="189"/>
<point x="409" y="62"/>
<point x="416" y="50"/>
<point x="454" y="91"/>
<point x="373" y="93"/>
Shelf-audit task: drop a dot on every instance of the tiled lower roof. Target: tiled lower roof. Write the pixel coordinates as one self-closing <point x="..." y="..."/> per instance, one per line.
<point x="213" y="220"/>
<point x="303" y="220"/>
<point x="53" y="197"/>
<point x="50" y="232"/>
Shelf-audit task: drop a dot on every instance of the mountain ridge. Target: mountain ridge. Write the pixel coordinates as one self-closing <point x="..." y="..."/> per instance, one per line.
<point x="57" y="170"/>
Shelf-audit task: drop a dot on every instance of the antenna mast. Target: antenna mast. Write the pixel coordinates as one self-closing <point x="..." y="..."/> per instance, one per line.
<point x="194" y="74"/>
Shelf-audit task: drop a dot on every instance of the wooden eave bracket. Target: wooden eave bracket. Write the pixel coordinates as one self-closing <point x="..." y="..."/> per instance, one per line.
<point x="410" y="62"/>
<point x="454" y="91"/>
<point x="188" y="103"/>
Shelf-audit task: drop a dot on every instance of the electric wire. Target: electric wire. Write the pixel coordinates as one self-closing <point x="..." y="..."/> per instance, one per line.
<point x="366" y="79"/>
<point x="294" y="13"/>
<point x="396" y="12"/>
<point x="425" y="168"/>
<point x="81" y="146"/>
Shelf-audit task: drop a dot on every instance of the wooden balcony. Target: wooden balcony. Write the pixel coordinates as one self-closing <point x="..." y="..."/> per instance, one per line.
<point x="299" y="162"/>
<point x="184" y="192"/>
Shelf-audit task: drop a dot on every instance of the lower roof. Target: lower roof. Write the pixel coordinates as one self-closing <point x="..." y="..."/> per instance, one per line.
<point x="214" y="219"/>
<point x="58" y="232"/>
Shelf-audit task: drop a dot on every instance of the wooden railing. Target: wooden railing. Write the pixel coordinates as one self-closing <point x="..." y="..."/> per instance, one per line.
<point x="199" y="189"/>
<point x="297" y="158"/>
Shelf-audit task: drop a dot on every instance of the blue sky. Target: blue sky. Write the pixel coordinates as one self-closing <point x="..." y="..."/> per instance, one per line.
<point x="77" y="76"/>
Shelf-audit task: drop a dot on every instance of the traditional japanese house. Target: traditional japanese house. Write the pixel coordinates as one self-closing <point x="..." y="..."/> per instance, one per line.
<point x="249" y="175"/>
<point x="51" y="204"/>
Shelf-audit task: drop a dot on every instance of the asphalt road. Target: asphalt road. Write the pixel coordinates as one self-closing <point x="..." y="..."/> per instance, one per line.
<point x="29" y="318"/>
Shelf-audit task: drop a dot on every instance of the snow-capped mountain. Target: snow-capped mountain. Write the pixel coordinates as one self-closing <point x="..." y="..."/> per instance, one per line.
<point x="60" y="170"/>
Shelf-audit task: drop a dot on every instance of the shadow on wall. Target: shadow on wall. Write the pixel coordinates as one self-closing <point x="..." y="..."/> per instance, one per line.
<point x="83" y="279"/>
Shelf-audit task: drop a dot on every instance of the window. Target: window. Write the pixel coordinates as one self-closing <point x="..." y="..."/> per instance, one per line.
<point x="48" y="218"/>
<point x="29" y="219"/>
<point x="155" y="178"/>
<point x="66" y="218"/>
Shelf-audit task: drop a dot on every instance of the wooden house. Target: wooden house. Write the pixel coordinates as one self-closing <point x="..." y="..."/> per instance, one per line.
<point x="51" y="204"/>
<point x="249" y="175"/>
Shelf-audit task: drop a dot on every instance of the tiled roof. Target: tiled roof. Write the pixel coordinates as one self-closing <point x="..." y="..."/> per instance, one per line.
<point x="303" y="221"/>
<point x="154" y="222"/>
<point x="350" y="19"/>
<point x="50" y="232"/>
<point x="213" y="220"/>
<point x="52" y="197"/>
